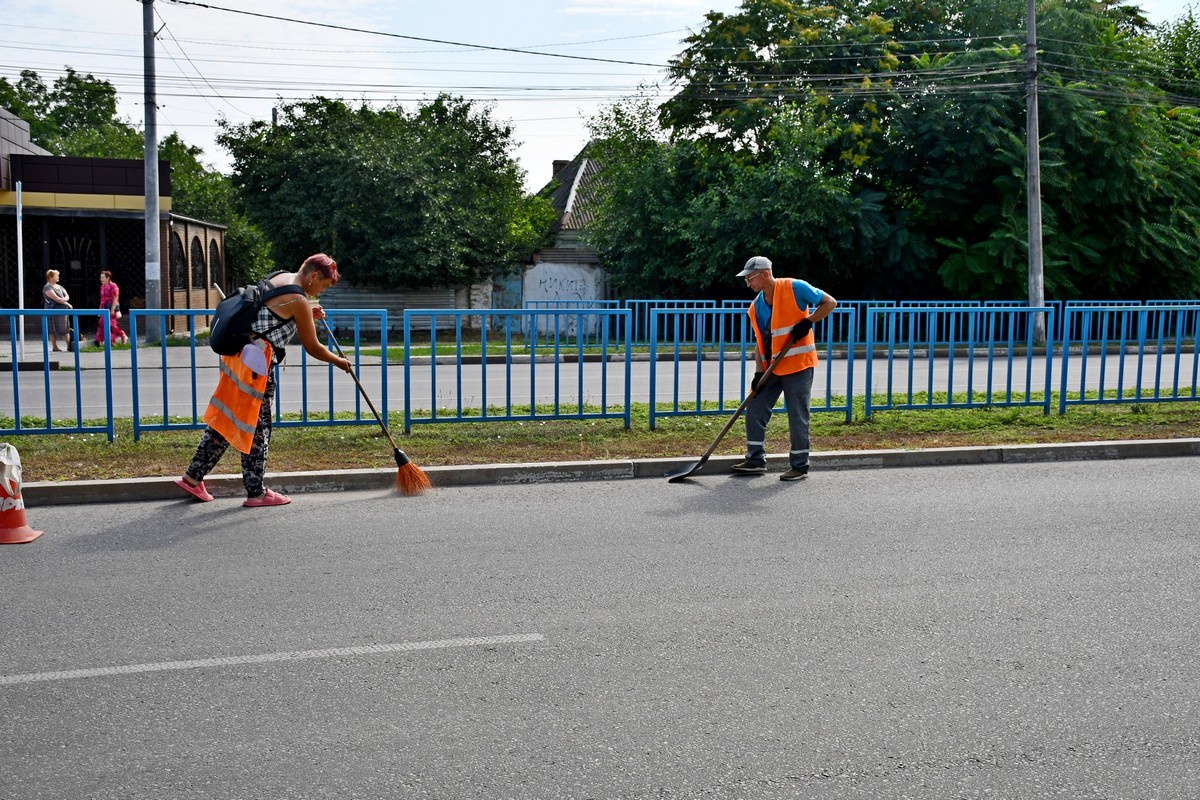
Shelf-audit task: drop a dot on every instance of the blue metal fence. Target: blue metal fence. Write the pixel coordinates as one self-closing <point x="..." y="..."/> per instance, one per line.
<point x="928" y="356"/>
<point x="142" y="361"/>
<point x="997" y="342"/>
<point x="847" y="328"/>
<point x="845" y="321"/>
<point x="698" y="341"/>
<point x="720" y="341"/>
<point x="1071" y="333"/>
<point x="158" y="409"/>
<point x="1181" y="313"/>
<point x="935" y="321"/>
<point x="37" y="395"/>
<point x="473" y="396"/>
<point x="1132" y="341"/>
<point x="555" y="330"/>
<point x="643" y="317"/>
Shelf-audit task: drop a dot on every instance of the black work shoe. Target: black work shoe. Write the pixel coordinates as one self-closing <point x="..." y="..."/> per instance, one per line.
<point x="749" y="468"/>
<point x="795" y="474"/>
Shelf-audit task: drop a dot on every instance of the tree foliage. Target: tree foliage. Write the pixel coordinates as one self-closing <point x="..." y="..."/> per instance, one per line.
<point x="678" y="217"/>
<point x="1177" y="45"/>
<point x="911" y="180"/>
<point x="77" y="116"/>
<point x="742" y="70"/>
<point x="402" y="198"/>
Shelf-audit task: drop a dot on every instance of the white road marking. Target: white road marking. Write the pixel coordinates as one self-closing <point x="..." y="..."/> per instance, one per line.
<point x="263" y="658"/>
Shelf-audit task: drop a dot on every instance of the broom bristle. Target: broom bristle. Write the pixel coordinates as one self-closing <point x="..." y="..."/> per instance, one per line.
<point x="410" y="480"/>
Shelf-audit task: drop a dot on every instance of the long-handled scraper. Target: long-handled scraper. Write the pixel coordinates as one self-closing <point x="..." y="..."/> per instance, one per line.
<point x="684" y="472"/>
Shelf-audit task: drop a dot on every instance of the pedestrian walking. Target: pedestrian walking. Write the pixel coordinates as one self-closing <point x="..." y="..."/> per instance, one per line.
<point x="782" y="315"/>
<point x="110" y="298"/>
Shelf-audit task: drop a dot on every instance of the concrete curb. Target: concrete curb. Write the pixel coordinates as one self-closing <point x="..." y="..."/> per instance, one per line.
<point x="46" y="493"/>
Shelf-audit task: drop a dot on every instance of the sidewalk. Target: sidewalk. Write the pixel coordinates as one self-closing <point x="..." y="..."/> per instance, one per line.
<point x="716" y="469"/>
<point x="149" y="357"/>
<point x="176" y="357"/>
<point x="122" y="358"/>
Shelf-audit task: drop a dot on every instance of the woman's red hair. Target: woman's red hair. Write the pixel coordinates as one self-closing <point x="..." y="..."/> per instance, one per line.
<point x="323" y="264"/>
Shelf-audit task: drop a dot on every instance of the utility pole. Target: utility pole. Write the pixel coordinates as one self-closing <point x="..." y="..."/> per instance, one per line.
<point x="153" y="241"/>
<point x="1033" y="175"/>
<point x="20" y="275"/>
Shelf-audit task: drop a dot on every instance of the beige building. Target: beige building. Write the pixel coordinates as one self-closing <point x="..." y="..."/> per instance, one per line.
<point x="83" y="215"/>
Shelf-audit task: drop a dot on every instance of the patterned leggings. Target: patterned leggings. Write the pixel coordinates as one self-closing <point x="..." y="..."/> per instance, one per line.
<point x="254" y="464"/>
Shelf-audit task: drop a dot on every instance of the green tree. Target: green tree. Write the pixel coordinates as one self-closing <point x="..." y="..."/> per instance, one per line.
<point x="1118" y="184"/>
<point x="1177" y="45"/>
<point x="743" y="69"/>
<point x="921" y="113"/>
<point x="203" y="193"/>
<point x="958" y="159"/>
<point x="77" y="116"/>
<point x="677" y="217"/>
<point x="410" y="199"/>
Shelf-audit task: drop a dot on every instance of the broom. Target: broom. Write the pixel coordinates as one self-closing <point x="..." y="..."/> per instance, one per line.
<point x="410" y="479"/>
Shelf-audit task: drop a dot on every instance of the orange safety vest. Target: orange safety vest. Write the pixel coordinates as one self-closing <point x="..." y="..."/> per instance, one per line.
<point x="785" y="313"/>
<point x="235" y="405"/>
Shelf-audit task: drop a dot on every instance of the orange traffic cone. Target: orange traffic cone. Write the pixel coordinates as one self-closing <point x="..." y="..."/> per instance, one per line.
<point x="13" y="527"/>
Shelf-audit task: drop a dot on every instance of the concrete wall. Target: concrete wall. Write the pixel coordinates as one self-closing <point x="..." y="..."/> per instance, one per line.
<point x="555" y="281"/>
<point x="548" y="280"/>
<point x="477" y="295"/>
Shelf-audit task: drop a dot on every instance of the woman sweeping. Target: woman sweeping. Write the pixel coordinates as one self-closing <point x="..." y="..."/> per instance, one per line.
<point x="240" y="410"/>
<point x="110" y="298"/>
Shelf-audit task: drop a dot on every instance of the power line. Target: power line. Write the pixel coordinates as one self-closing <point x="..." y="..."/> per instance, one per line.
<point x="325" y="65"/>
<point x="197" y="69"/>
<point x="369" y="32"/>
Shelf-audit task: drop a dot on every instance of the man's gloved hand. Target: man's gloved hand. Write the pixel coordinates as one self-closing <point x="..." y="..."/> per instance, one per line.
<point x="801" y="328"/>
<point x="755" y="381"/>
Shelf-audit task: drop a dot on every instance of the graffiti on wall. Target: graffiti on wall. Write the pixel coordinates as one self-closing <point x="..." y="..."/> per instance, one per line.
<point x="548" y="282"/>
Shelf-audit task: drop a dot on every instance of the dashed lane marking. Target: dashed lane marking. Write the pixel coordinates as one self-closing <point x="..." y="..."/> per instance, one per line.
<point x="266" y="658"/>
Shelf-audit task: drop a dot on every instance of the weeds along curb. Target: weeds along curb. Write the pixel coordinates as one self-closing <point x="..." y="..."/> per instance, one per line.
<point x="47" y="493"/>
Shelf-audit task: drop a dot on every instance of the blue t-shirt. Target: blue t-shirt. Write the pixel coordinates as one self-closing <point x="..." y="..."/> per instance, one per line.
<point x="807" y="296"/>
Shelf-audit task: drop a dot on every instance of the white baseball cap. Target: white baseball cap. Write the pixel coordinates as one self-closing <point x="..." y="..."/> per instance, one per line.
<point x="754" y="265"/>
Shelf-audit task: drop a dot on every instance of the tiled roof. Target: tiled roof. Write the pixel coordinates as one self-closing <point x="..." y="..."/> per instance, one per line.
<point x="573" y="196"/>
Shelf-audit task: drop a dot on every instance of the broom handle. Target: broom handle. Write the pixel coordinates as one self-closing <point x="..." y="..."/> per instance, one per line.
<point x="357" y="383"/>
<point x="736" y="414"/>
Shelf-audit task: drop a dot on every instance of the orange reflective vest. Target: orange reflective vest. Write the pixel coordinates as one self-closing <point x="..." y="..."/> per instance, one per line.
<point x="785" y="313"/>
<point x="235" y="405"/>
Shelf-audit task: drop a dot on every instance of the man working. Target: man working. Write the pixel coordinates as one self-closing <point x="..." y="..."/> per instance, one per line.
<point x="781" y="318"/>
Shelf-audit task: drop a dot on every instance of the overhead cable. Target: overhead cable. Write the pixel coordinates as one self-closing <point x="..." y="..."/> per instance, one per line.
<point x="390" y="35"/>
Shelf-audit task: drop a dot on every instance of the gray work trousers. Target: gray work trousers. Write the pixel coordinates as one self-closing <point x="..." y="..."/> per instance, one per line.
<point x="796" y="389"/>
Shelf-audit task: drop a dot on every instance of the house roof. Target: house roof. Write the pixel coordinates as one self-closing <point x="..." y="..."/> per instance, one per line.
<point x="571" y="192"/>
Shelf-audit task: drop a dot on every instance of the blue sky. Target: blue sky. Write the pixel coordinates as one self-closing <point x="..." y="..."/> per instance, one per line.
<point x="213" y="64"/>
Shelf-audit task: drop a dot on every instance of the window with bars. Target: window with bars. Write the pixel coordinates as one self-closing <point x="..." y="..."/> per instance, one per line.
<point x="199" y="271"/>
<point x="215" y="273"/>
<point x="178" y="263"/>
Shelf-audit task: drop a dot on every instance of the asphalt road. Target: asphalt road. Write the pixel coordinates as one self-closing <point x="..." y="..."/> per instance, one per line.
<point x="1007" y="630"/>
